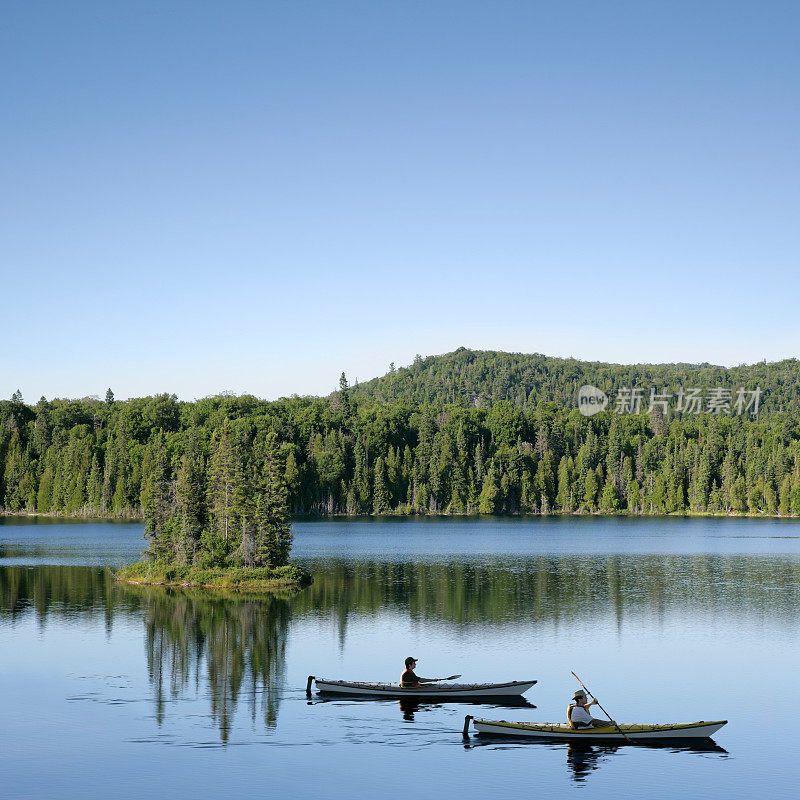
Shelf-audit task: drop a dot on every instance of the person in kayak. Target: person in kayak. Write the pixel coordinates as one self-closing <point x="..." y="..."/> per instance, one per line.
<point x="409" y="679"/>
<point x="578" y="715"/>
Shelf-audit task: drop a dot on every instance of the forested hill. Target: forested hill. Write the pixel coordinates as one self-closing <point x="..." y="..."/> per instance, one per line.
<point x="482" y="377"/>
<point x="468" y="432"/>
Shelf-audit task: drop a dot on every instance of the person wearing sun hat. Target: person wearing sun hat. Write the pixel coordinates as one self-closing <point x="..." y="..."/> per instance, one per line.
<point x="579" y="717"/>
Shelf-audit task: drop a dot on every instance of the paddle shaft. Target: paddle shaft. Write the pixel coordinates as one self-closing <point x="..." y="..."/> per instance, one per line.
<point x="586" y="689"/>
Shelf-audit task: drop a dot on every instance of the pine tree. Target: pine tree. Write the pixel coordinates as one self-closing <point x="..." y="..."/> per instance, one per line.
<point x="488" y="500"/>
<point x="794" y="496"/>
<point x="223" y="479"/>
<point x="42" y="431"/>
<point x="190" y="496"/>
<point x="659" y="498"/>
<point x="94" y="486"/>
<point x="590" y="490"/>
<point x="785" y="502"/>
<point x="609" y="500"/>
<point x="634" y="493"/>
<point x="44" y="498"/>
<point x="739" y="495"/>
<point x="273" y="527"/>
<point x="545" y="481"/>
<point x="361" y="477"/>
<point x="157" y="502"/>
<point x="564" y="496"/>
<point x="380" y="496"/>
<point x="344" y="397"/>
<point x="293" y="481"/>
<point x="614" y="448"/>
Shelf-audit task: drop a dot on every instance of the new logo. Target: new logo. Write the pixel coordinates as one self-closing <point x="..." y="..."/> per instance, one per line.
<point x="591" y="400"/>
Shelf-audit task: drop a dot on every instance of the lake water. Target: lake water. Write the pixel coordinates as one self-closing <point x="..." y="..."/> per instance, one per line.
<point x="115" y="691"/>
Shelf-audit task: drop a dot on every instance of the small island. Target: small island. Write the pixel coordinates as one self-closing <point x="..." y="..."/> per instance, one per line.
<point x="220" y="521"/>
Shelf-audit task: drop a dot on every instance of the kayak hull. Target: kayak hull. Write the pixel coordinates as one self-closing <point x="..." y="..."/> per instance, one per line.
<point x="634" y="732"/>
<point x="439" y="690"/>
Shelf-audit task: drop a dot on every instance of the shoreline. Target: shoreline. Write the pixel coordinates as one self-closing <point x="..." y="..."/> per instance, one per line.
<point x="400" y="515"/>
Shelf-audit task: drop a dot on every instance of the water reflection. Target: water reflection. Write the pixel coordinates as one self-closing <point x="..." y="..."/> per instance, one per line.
<point x="236" y="644"/>
<point x="231" y="648"/>
<point x="557" y="588"/>
<point x="232" y="643"/>
<point x="554" y="588"/>
<point x="409" y="705"/>
<point x="583" y="758"/>
<point x="61" y="592"/>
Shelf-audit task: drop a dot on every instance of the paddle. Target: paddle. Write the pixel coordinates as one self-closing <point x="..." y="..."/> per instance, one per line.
<point x="448" y="678"/>
<point x="585" y="688"/>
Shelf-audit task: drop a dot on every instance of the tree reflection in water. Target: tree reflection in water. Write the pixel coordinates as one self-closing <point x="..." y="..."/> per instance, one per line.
<point x="233" y="642"/>
<point x="557" y="589"/>
<point x="237" y="643"/>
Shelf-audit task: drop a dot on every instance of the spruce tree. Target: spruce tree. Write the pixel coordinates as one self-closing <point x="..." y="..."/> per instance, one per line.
<point x="191" y="507"/>
<point x="590" y="490"/>
<point x="380" y="496"/>
<point x="223" y="482"/>
<point x="344" y="397"/>
<point x="273" y="527"/>
<point x="609" y="500"/>
<point x="487" y="502"/>
<point x="158" y="504"/>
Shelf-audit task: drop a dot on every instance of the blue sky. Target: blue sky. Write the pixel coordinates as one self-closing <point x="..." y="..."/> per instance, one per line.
<point x="256" y="196"/>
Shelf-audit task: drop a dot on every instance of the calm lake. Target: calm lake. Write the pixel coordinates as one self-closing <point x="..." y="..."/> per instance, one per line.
<point x="126" y="692"/>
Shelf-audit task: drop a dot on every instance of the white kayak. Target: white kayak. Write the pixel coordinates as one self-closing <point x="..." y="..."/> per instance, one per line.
<point x="562" y="731"/>
<point x="438" y="690"/>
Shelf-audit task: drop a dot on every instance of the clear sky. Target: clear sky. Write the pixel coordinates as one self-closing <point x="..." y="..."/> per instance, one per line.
<point x="255" y="196"/>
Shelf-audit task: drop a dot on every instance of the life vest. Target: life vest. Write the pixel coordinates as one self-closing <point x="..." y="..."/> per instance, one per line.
<point x="571" y="723"/>
<point x="408" y="682"/>
<point x="569" y="716"/>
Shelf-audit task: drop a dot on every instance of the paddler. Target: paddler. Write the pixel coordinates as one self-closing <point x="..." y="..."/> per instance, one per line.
<point x="578" y="715"/>
<point x="410" y="679"/>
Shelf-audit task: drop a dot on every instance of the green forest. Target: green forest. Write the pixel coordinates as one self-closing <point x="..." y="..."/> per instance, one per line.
<point x="482" y="377"/>
<point x="463" y="433"/>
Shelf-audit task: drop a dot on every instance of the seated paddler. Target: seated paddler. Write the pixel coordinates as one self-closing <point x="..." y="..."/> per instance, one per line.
<point x="579" y="716"/>
<point x="409" y="679"/>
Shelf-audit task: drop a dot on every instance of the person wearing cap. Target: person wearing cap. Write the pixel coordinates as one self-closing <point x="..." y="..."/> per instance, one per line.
<point x="410" y="679"/>
<point x="578" y="715"/>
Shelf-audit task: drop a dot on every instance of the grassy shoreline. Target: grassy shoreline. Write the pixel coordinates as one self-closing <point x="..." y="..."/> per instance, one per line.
<point x="266" y="579"/>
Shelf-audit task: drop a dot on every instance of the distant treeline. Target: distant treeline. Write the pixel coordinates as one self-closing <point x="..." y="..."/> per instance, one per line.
<point x="482" y="377"/>
<point x="355" y="455"/>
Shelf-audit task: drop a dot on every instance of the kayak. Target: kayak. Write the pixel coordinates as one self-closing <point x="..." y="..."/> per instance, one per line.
<point x="563" y="732"/>
<point x="438" y="690"/>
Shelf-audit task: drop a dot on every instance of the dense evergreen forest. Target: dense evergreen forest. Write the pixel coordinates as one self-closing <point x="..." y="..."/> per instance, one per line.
<point x="201" y="465"/>
<point x="482" y="377"/>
